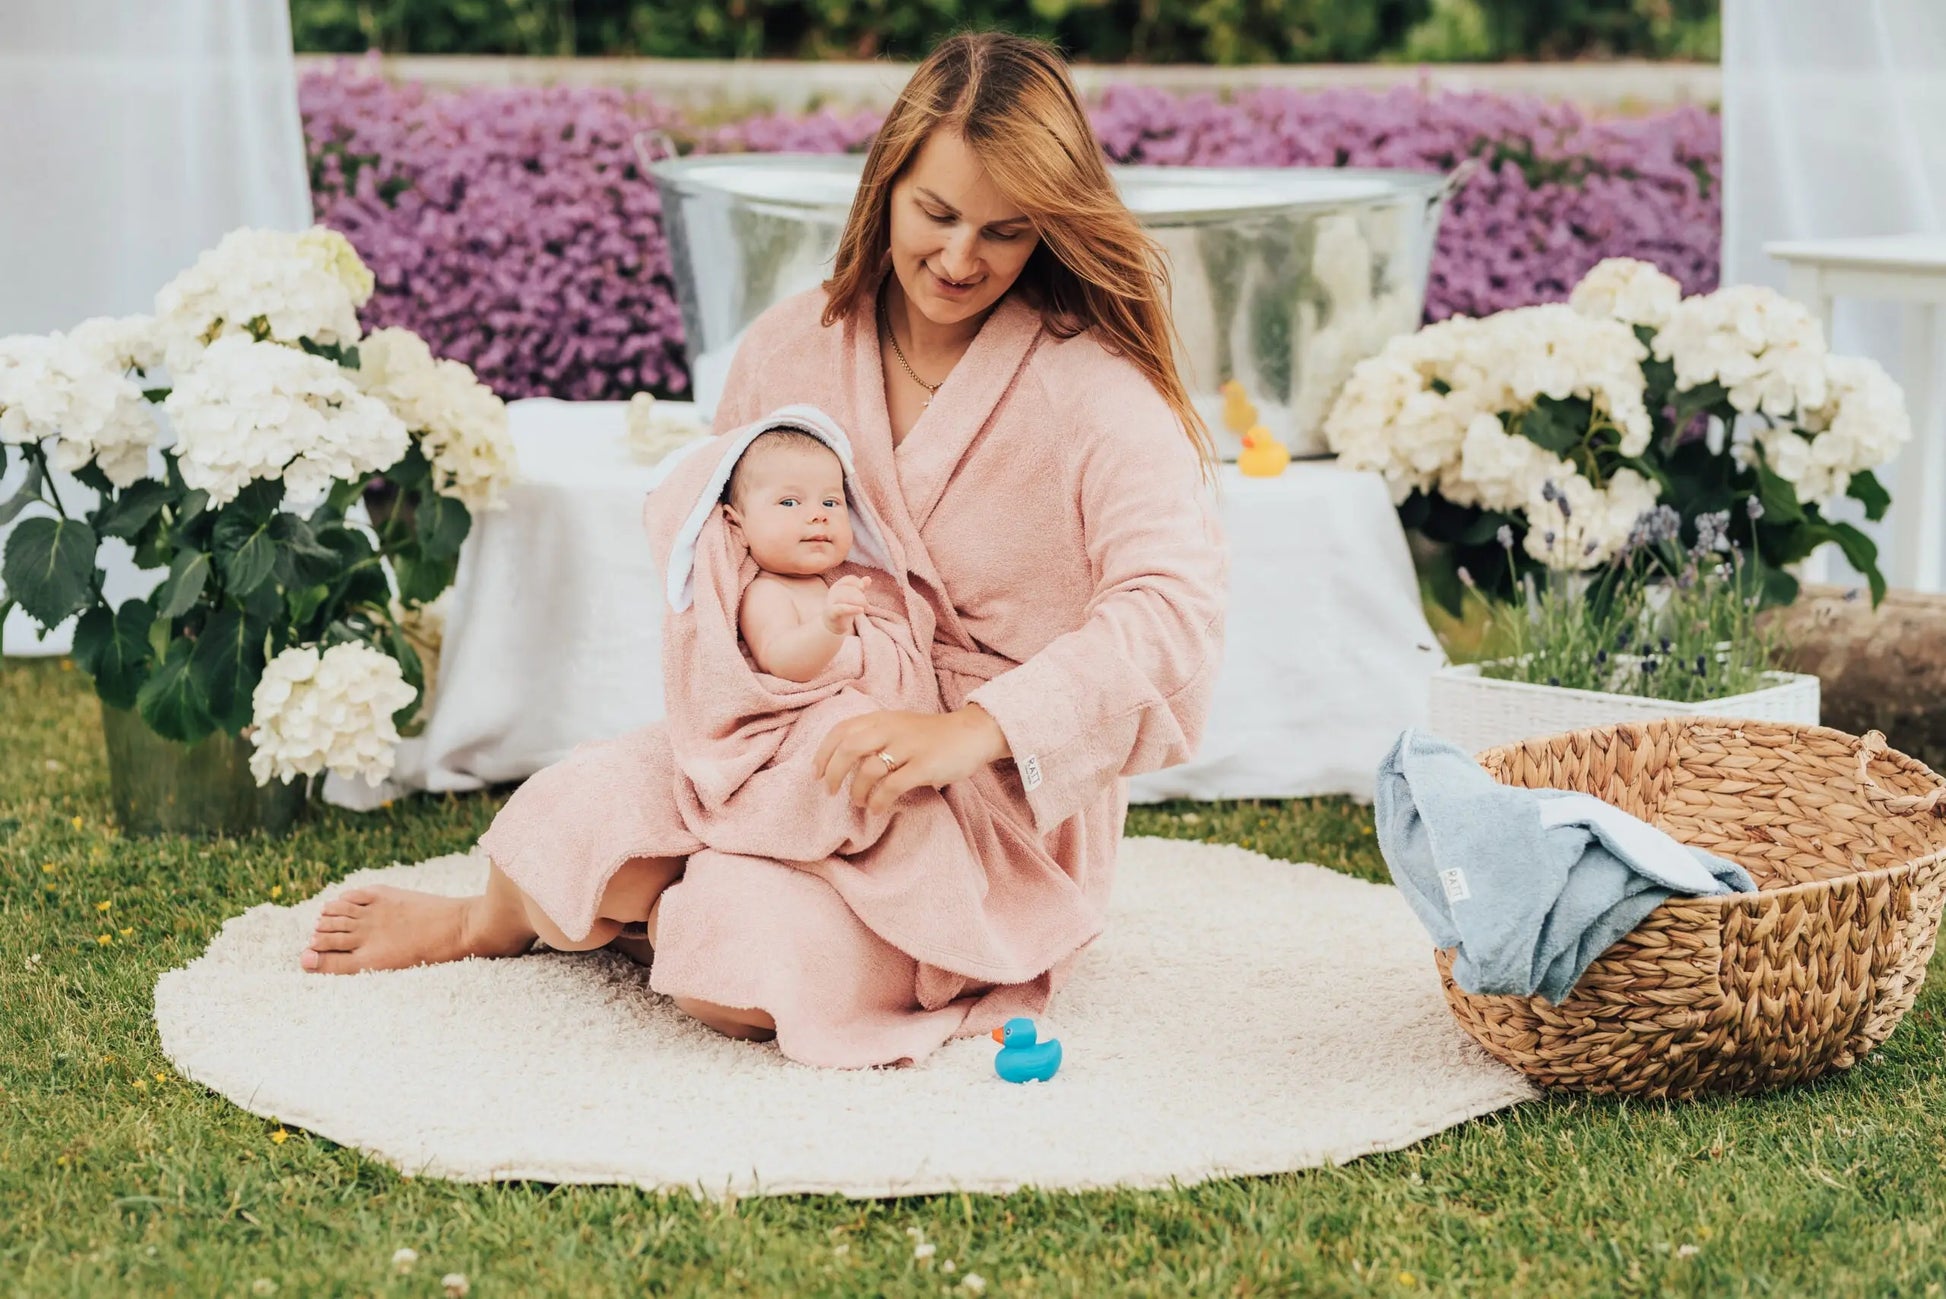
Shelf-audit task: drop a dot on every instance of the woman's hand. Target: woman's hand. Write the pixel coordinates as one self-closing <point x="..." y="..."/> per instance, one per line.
<point x="932" y="749"/>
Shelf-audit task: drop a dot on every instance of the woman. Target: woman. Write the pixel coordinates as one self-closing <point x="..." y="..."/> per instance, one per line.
<point x="996" y="341"/>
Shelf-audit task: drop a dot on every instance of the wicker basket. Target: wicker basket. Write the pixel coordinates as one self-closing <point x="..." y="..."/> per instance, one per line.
<point x="1847" y="843"/>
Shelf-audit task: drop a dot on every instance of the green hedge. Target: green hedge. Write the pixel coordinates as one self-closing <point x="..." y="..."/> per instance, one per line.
<point x="1097" y="31"/>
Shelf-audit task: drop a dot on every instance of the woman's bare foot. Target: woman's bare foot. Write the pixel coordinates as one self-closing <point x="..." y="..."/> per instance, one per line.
<point x="744" y="1025"/>
<point x="383" y="928"/>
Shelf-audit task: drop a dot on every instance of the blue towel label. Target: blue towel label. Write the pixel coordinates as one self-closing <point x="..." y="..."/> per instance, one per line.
<point x="1453" y="879"/>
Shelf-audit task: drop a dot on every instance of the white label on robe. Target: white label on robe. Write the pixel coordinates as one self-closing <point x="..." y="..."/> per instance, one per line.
<point x="1453" y="880"/>
<point x="1030" y="772"/>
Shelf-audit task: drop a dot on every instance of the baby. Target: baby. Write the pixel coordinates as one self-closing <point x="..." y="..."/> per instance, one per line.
<point x="786" y="499"/>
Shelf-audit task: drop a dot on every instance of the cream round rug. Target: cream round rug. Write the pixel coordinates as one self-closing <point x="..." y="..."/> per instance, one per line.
<point x="1241" y="1015"/>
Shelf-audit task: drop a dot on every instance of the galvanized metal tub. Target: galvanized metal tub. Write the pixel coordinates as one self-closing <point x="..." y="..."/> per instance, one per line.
<point x="1284" y="278"/>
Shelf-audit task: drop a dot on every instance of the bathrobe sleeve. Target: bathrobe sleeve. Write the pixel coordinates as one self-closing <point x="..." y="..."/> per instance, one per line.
<point x="1128" y="690"/>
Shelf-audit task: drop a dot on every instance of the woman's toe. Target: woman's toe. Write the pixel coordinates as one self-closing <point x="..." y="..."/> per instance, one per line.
<point x="331" y="963"/>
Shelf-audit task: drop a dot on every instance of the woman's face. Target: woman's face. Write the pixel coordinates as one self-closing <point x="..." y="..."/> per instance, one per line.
<point x="958" y="243"/>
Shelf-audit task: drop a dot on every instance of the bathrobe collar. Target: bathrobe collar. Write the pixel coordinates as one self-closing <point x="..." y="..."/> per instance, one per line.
<point x="960" y="410"/>
<point x="918" y="470"/>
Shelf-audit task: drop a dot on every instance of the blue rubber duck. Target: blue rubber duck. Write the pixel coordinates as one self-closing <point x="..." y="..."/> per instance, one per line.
<point x="1021" y="1058"/>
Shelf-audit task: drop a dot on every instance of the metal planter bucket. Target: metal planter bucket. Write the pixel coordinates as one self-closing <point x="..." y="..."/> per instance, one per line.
<point x="159" y="787"/>
<point x="1284" y="278"/>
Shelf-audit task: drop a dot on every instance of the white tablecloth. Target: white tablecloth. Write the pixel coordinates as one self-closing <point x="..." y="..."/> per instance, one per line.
<point x="554" y="628"/>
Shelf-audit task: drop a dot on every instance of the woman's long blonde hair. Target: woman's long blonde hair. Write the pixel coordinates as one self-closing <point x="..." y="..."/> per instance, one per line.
<point x="1011" y="100"/>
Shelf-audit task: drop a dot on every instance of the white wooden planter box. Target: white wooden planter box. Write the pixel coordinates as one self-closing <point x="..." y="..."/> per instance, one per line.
<point x="1477" y="712"/>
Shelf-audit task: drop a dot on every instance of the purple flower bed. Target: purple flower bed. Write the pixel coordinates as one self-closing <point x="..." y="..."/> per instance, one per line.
<point x="514" y="231"/>
<point x="509" y="228"/>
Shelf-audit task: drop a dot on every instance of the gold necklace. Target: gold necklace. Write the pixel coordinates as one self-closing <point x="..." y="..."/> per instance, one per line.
<point x="932" y="389"/>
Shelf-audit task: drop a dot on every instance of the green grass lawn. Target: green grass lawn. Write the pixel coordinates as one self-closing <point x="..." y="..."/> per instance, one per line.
<point x="116" y="1176"/>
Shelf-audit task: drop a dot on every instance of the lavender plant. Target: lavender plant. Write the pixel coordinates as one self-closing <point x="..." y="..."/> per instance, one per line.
<point x="1663" y="619"/>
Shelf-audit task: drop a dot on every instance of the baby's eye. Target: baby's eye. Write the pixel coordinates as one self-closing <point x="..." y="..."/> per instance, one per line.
<point x="788" y="500"/>
<point x="833" y="503"/>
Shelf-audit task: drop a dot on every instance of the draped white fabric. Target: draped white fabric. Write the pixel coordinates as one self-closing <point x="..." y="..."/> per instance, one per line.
<point x="134" y="135"/>
<point x="1831" y="117"/>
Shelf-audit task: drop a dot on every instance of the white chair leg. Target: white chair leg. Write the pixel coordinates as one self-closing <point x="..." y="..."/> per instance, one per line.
<point x="1918" y="486"/>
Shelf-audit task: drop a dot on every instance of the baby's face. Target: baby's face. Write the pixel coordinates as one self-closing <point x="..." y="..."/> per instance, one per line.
<point x="790" y="503"/>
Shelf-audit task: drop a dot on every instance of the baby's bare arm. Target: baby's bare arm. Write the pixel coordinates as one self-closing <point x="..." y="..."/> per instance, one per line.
<point x="782" y="641"/>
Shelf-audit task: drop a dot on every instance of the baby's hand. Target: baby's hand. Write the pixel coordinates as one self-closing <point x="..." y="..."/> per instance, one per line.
<point x="843" y="602"/>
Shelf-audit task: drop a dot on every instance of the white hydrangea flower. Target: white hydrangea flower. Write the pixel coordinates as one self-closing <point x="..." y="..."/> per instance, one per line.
<point x="301" y="286"/>
<point x="1497" y="470"/>
<point x="1594" y="526"/>
<point x="123" y="342"/>
<point x="460" y="422"/>
<point x="247" y="410"/>
<point x="313" y="712"/>
<point x="1392" y="419"/>
<point x="334" y="253"/>
<point x="1861" y="425"/>
<point x="1767" y="351"/>
<point x="54" y="386"/>
<point x="1554" y="351"/>
<point x="1624" y="289"/>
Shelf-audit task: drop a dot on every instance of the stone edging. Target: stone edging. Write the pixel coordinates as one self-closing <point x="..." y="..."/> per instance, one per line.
<point x="717" y="85"/>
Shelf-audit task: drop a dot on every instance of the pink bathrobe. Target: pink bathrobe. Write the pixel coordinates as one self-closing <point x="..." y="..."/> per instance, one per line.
<point x="1065" y="566"/>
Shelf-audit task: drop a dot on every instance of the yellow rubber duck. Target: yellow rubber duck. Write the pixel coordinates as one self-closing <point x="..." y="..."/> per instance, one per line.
<point x="1263" y="455"/>
<point x="1239" y="415"/>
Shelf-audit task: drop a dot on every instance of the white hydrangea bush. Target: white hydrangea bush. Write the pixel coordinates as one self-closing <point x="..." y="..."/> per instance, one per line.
<point x="327" y="710"/>
<point x="1564" y="423"/>
<point x="306" y="489"/>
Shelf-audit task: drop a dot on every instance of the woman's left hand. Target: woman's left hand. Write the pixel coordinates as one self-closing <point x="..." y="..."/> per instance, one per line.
<point x="932" y="749"/>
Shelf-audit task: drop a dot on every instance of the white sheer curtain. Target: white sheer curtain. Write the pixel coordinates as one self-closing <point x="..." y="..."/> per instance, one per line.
<point x="1832" y="112"/>
<point x="133" y="135"/>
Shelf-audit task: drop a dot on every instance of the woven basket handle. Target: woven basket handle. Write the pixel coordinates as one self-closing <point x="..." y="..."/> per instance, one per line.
<point x="1934" y="804"/>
